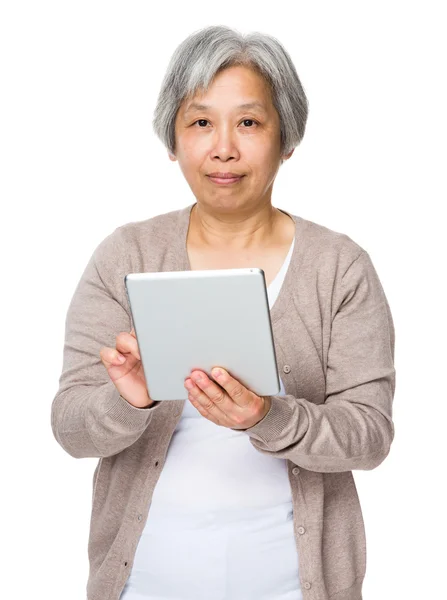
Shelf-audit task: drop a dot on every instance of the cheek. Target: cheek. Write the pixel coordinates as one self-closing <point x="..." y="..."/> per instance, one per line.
<point x="259" y="151"/>
<point x="192" y="142"/>
<point x="194" y="156"/>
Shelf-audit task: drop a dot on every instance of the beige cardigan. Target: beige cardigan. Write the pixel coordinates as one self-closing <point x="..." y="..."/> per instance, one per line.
<point x="334" y="343"/>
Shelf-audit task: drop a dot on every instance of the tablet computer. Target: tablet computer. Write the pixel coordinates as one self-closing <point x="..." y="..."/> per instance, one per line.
<point x="200" y="319"/>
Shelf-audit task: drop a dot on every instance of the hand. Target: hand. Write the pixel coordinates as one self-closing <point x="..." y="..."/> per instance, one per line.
<point x="231" y="405"/>
<point x="125" y="369"/>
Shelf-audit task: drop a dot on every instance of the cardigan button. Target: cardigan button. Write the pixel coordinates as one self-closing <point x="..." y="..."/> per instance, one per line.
<point x="140" y="517"/>
<point x="286" y="369"/>
<point x="307" y="585"/>
<point x="301" y="530"/>
<point x="295" y="470"/>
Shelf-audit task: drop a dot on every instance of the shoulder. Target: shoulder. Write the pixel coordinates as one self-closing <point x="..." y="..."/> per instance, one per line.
<point x="157" y="228"/>
<point x="133" y="237"/>
<point x="134" y="247"/>
<point x="326" y="248"/>
<point x="335" y="265"/>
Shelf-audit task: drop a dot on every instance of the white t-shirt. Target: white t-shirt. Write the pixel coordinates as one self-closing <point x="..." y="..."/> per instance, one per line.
<point x="220" y="525"/>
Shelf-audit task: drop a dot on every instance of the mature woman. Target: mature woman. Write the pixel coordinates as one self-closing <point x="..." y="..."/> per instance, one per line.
<point x="231" y="495"/>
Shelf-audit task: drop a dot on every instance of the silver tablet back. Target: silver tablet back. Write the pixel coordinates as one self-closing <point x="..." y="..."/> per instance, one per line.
<point x="187" y="320"/>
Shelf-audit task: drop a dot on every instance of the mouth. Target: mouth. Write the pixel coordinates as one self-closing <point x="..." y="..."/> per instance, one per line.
<point x="226" y="180"/>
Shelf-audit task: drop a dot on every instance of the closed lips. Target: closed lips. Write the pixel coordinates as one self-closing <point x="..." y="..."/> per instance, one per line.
<point x="224" y="175"/>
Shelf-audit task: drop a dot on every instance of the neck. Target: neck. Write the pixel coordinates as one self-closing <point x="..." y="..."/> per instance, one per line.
<point x="234" y="230"/>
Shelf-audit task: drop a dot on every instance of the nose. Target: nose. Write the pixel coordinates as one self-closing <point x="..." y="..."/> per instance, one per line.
<point x="224" y="146"/>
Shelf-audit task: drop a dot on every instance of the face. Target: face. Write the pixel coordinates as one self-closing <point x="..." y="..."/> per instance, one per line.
<point x="225" y="137"/>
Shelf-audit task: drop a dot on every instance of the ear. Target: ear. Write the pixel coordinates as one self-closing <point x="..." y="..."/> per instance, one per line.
<point x="172" y="157"/>
<point x="287" y="156"/>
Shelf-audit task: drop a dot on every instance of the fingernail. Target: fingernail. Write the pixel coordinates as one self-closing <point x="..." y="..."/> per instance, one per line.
<point x="121" y="358"/>
<point x="216" y="373"/>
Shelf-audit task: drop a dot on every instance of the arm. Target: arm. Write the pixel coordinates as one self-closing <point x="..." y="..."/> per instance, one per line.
<point x="89" y="417"/>
<point x="353" y="429"/>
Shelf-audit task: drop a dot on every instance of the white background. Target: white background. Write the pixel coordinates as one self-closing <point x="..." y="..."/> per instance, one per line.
<point x="79" y="158"/>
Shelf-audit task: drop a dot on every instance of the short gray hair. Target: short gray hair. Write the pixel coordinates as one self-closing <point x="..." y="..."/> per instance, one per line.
<point x="206" y="52"/>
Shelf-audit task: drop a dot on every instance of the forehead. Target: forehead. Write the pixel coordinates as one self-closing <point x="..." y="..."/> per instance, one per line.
<point x="192" y="106"/>
<point x="242" y="87"/>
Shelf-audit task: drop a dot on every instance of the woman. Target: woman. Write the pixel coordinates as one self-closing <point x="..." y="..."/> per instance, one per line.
<point x="231" y="495"/>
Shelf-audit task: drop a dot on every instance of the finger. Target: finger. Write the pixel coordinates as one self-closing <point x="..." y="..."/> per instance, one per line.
<point x="111" y="356"/>
<point x="235" y="390"/>
<point x="211" y="416"/>
<point x="203" y="403"/>
<point x="127" y="344"/>
<point x="212" y="394"/>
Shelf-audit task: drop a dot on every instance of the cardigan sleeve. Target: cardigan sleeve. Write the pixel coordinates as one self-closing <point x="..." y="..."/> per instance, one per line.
<point x="89" y="417"/>
<point x="353" y="428"/>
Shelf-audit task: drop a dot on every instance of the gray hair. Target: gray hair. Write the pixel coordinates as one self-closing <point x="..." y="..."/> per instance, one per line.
<point x="206" y="52"/>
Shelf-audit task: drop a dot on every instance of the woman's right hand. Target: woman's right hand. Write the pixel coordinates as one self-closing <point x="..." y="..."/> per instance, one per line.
<point x="127" y="375"/>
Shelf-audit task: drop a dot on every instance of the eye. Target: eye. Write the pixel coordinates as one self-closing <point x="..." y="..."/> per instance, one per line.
<point x="243" y="121"/>
<point x="250" y="121"/>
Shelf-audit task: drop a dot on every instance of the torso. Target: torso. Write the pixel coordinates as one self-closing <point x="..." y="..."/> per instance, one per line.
<point x="270" y="259"/>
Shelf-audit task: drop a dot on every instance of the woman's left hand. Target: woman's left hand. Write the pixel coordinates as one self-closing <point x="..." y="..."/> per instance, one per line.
<point x="234" y="406"/>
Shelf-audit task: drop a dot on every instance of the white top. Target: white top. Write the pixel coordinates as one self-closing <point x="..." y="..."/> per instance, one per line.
<point x="221" y="517"/>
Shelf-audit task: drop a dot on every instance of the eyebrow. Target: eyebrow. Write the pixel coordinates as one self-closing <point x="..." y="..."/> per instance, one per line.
<point x="247" y="105"/>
